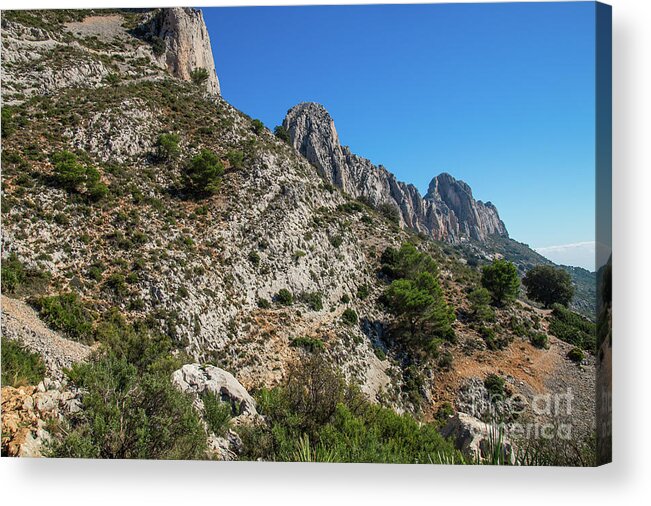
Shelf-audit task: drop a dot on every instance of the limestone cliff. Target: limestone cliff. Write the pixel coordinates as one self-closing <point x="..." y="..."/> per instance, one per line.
<point x="447" y="212"/>
<point x="187" y="44"/>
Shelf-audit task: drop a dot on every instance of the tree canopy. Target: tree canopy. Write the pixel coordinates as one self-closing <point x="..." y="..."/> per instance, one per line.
<point x="203" y="173"/>
<point x="501" y="279"/>
<point x="415" y="296"/>
<point x="549" y="285"/>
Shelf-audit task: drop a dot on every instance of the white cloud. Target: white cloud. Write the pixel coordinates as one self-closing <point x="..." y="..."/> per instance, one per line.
<point x="579" y="254"/>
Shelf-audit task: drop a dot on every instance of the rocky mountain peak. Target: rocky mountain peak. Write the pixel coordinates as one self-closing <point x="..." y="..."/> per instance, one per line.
<point x="313" y="134"/>
<point x="187" y="44"/>
<point x="447" y="212"/>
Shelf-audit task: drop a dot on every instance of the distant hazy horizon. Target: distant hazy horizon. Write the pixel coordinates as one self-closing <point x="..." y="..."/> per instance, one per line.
<point x="498" y="95"/>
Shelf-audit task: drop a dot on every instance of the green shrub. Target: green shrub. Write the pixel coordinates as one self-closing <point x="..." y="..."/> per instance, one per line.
<point x="203" y="173"/>
<point x="217" y="413"/>
<point x="129" y="414"/>
<point x="314" y="300"/>
<point x="349" y="317"/>
<point x="549" y="285"/>
<point x="282" y="133"/>
<point x="167" y="147"/>
<point x="445" y="411"/>
<point x="199" y="75"/>
<point x="116" y="283"/>
<point x="363" y="292"/>
<point x="18" y="278"/>
<point x="66" y="312"/>
<point x="20" y="366"/>
<point x="539" y="340"/>
<point x="235" y="159"/>
<point x="501" y="280"/>
<point x="480" y="309"/>
<point x="284" y="297"/>
<point x="517" y="326"/>
<point x="351" y="207"/>
<point x="336" y="240"/>
<point x="298" y="254"/>
<point x="254" y="258"/>
<point x="145" y="344"/>
<point x="263" y="303"/>
<point x="493" y="341"/>
<point x="572" y="328"/>
<point x="495" y="385"/>
<point x="309" y="343"/>
<point x="75" y="177"/>
<point x="345" y="298"/>
<point x="379" y="353"/>
<point x="576" y="355"/>
<point x="8" y="123"/>
<point x="157" y="45"/>
<point x="257" y="126"/>
<point x="315" y="416"/>
<point x="445" y="360"/>
<point x="390" y="212"/>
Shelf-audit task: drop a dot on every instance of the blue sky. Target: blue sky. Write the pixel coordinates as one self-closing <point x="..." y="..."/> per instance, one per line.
<point x="499" y="95"/>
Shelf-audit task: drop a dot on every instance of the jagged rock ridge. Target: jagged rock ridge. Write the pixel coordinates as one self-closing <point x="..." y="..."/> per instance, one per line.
<point x="447" y="212"/>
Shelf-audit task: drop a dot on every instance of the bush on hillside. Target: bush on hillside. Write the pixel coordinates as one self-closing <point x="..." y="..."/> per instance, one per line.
<point x="282" y="133"/>
<point x="349" y="317"/>
<point x="572" y="328"/>
<point x="549" y="285"/>
<point x="284" y="297"/>
<point x="257" y="126"/>
<point x="72" y="175"/>
<point x="316" y="417"/>
<point x="480" y="310"/>
<point x="66" y="312"/>
<point x="199" y="75"/>
<point x="167" y="147"/>
<point x="501" y="279"/>
<point x="20" y="366"/>
<point x="129" y="414"/>
<point x="203" y="173"/>
<point x="16" y="277"/>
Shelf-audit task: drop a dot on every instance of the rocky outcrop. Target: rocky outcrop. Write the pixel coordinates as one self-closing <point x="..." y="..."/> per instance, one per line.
<point x="447" y="212"/>
<point x="474" y="438"/>
<point x="25" y="414"/>
<point x="197" y="379"/>
<point x="187" y="44"/>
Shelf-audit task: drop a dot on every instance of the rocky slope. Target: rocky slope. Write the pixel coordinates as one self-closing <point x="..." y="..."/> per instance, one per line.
<point x="208" y="271"/>
<point x="447" y="212"/>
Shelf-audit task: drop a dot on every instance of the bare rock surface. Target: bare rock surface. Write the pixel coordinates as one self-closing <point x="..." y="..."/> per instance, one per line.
<point x="473" y="437"/>
<point x="26" y="411"/>
<point x="188" y="44"/>
<point x="197" y="379"/>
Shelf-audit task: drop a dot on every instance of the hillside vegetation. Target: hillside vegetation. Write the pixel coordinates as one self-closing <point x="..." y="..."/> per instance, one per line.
<point x="146" y="217"/>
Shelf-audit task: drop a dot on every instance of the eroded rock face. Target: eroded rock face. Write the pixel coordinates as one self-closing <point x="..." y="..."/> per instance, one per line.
<point x="25" y="412"/>
<point x="197" y="379"/>
<point x="447" y="212"/>
<point x="474" y="438"/>
<point x="187" y="44"/>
